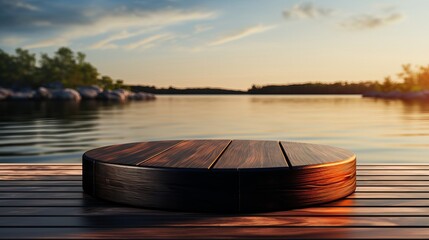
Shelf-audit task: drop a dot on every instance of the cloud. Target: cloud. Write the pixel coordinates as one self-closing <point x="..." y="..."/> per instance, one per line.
<point x="23" y="17"/>
<point x="370" y="21"/>
<point x="11" y="40"/>
<point x="115" y="24"/>
<point x="20" y="4"/>
<point x="241" y="34"/>
<point x="54" y="23"/>
<point x="306" y="11"/>
<point x="109" y="41"/>
<point x="149" y="41"/>
<point x="201" y="28"/>
<point x="47" y="43"/>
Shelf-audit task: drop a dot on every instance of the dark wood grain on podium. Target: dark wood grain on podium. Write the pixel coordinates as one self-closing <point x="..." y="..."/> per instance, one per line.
<point x="305" y="155"/>
<point x="252" y="154"/>
<point x="189" y="154"/>
<point x="219" y="175"/>
<point x="129" y="154"/>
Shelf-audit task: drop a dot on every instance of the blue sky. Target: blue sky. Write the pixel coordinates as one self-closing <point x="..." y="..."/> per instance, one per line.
<point x="231" y="44"/>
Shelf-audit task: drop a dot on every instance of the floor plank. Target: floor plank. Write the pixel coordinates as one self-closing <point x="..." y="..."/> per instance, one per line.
<point x="41" y="195"/>
<point x="47" y="202"/>
<point x="217" y="233"/>
<point x="44" y="172"/>
<point x="33" y="188"/>
<point x="40" y="167"/>
<point x="390" y="189"/>
<point x="391" y="167"/>
<point x="121" y="210"/>
<point x="79" y="194"/>
<point x="116" y="221"/>
<point x="41" y="177"/>
<point x="76" y="183"/>
<point x="376" y="177"/>
<point x="393" y="172"/>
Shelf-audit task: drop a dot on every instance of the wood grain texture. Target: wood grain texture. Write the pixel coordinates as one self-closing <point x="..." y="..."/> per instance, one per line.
<point x="39" y="172"/>
<point x="41" y="177"/>
<point x="393" y="172"/>
<point x="296" y="188"/>
<point x="223" y="176"/>
<point x="392" y="183"/>
<point x="408" y="178"/>
<point x="272" y="232"/>
<point x="303" y="155"/>
<point x="188" y="190"/>
<point x="130" y="153"/>
<point x="247" y="154"/>
<point x="384" y="215"/>
<point x="131" y="221"/>
<point x="27" y="167"/>
<point x="189" y="154"/>
<point x="124" y="211"/>
<point x="391" y="167"/>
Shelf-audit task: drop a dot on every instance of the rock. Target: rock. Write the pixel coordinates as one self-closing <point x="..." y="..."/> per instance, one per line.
<point x="370" y="94"/>
<point x="413" y="95"/>
<point x="112" y="96"/>
<point x="23" y="95"/>
<point x="43" y="93"/>
<point x="426" y="93"/>
<point x="139" y="96"/>
<point x="124" y="92"/>
<point x="398" y="95"/>
<point x="393" y="95"/>
<point x="5" y="93"/>
<point x="86" y="92"/>
<point x="66" y="94"/>
<point x="151" y="96"/>
<point x="89" y="92"/>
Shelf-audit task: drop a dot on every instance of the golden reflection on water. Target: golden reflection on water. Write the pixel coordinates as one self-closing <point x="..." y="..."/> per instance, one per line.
<point x="377" y="130"/>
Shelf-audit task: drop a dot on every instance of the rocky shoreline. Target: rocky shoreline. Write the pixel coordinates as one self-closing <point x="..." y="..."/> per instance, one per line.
<point x="419" y="95"/>
<point x="80" y="93"/>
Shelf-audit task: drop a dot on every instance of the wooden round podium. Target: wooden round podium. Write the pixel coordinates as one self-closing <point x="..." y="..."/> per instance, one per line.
<point x="219" y="175"/>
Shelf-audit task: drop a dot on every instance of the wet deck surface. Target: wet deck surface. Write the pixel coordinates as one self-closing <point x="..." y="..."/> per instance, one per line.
<point x="46" y="201"/>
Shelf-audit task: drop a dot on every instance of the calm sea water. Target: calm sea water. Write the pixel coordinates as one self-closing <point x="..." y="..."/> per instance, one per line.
<point x="379" y="131"/>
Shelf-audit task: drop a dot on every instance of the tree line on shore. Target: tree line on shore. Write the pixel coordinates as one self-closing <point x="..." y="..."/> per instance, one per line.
<point x="66" y="69"/>
<point x="410" y="81"/>
<point x="64" y="76"/>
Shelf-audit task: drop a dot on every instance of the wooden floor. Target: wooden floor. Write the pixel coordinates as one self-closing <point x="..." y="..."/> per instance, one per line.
<point x="46" y="201"/>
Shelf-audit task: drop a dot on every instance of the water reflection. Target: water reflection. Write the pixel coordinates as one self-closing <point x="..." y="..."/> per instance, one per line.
<point x="48" y="130"/>
<point x="377" y="130"/>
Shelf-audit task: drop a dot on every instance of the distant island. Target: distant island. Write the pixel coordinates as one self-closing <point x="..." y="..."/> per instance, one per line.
<point x="303" y="88"/>
<point x="414" y="85"/>
<point x="67" y="75"/>
<point x="195" y="91"/>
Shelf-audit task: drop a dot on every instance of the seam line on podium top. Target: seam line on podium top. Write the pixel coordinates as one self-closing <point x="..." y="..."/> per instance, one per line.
<point x="219" y="156"/>
<point x="285" y="156"/>
<point x="143" y="161"/>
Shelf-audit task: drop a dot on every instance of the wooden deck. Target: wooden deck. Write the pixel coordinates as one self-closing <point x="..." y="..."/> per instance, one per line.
<point x="46" y="201"/>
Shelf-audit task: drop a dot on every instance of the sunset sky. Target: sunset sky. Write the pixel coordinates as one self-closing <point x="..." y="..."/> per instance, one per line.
<point x="229" y="44"/>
